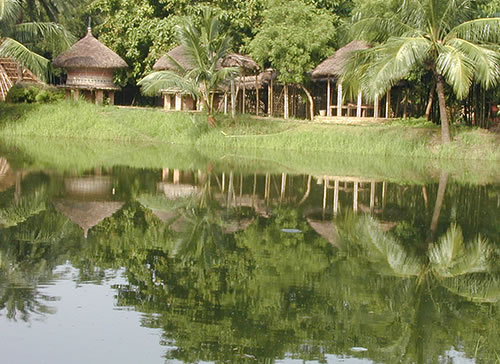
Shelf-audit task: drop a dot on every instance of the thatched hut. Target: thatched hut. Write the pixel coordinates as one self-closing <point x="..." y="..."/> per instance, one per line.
<point x="11" y="72"/>
<point x="90" y="65"/>
<point x="88" y="201"/>
<point x="248" y="72"/>
<point x="332" y="68"/>
<point x="175" y="99"/>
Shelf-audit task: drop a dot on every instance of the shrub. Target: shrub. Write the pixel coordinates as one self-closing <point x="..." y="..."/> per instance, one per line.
<point x="30" y="93"/>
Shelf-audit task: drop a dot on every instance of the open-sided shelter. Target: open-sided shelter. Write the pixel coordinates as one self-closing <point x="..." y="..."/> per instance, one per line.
<point x="332" y="68"/>
<point x="90" y="65"/>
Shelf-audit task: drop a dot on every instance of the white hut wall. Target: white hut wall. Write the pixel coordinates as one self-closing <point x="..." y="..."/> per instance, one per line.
<point x="90" y="77"/>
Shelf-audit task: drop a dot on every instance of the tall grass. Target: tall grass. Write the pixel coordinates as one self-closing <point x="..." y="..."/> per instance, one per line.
<point x="84" y="121"/>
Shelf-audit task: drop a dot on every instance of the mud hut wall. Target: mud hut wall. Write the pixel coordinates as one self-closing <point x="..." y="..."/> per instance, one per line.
<point x="91" y="77"/>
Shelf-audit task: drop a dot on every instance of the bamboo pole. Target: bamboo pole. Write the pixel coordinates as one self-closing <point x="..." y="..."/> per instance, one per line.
<point x="257" y="95"/>
<point x="285" y="110"/>
<point x="336" y="197"/>
<point x="388" y="104"/>
<point x="270" y="98"/>
<point x="233" y="100"/>
<point x="375" y="107"/>
<point x="225" y="103"/>
<point x="355" y="197"/>
<point x="328" y="98"/>
<point x="358" y="107"/>
<point x="243" y="97"/>
<point x="339" y="99"/>
<point x="372" y="195"/>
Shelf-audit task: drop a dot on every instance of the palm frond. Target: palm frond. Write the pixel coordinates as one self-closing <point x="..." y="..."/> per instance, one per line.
<point x="168" y="80"/>
<point x="484" y="30"/>
<point x="457" y="69"/>
<point x="379" y="68"/>
<point x="450" y="257"/>
<point x="34" y="62"/>
<point x="9" y="11"/>
<point x="479" y="287"/>
<point x="486" y="61"/>
<point x="55" y="36"/>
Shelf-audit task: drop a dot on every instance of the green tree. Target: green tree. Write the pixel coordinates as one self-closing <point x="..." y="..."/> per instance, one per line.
<point x="18" y="40"/>
<point x="293" y="38"/>
<point x="441" y="36"/>
<point x="205" y="45"/>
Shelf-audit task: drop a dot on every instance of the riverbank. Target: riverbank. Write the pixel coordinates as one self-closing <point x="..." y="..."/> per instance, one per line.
<point x="78" y="122"/>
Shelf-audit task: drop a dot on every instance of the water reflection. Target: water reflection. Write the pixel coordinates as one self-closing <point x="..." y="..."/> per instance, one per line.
<point x="407" y="272"/>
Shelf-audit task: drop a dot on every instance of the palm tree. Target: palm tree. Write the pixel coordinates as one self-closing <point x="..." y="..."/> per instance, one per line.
<point x="205" y="46"/>
<point x="18" y="40"/>
<point x="440" y="35"/>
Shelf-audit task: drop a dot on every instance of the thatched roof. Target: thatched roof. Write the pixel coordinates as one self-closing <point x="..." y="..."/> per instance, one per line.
<point x="326" y="229"/>
<point x="334" y="65"/>
<point x="87" y="214"/>
<point x="179" y="55"/>
<point x="88" y="52"/>
<point x="244" y="62"/>
<point x="9" y="76"/>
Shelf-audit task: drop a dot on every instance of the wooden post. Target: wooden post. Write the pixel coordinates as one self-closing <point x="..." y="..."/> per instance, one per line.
<point x="388" y="104"/>
<point x="355" y="197"/>
<point x="339" y="99"/>
<point x="375" y="107"/>
<point x="270" y="98"/>
<point x="225" y="103"/>
<point x="325" y="194"/>
<point x="178" y="102"/>
<point x="384" y="192"/>
<point x="358" y="108"/>
<point x="267" y="187"/>
<point x="233" y="100"/>
<point x="164" y="174"/>
<point x="244" y="96"/>
<point x="177" y="176"/>
<point x="285" y="110"/>
<point x="166" y="102"/>
<point x="230" y="189"/>
<point x="223" y="187"/>
<point x="283" y="185"/>
<point x="111" y="95"/>
<point x="336" y="198"/>
<point x="67" y="93"/>
<point x="76" y="94"/>
<point x="328" y="98"/>
<point x="257" y="95"/>
<point x="99" y="97"/>
<point x="372" y="195"/>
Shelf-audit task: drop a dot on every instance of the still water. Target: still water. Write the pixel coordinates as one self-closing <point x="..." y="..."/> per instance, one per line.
<point x="129" y="265"/>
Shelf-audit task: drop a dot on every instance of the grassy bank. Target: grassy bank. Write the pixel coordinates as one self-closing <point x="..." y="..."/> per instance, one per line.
<point x="85" y="121"/>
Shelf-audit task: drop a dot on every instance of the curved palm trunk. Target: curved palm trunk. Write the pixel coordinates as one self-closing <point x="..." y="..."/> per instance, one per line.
<point x="428" y="109"/>
<point x="311" y="101"/>
<point x="443" y="180"/>
<point x="445" y="129"/>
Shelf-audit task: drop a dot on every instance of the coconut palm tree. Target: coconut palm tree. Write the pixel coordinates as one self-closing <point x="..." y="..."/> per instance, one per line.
<point x="18" y="40"/>
<point x="440" y="35"/>
<point x="205" y="46"/>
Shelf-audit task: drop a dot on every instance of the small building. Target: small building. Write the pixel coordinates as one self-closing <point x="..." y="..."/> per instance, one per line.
<point x="90" y="65"/>
<point x="175" y="99"/>
<point x="11" y="72"/>
<point x="331" y="69"/>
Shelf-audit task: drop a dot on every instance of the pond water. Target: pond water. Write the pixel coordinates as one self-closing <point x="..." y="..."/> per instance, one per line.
<point x="118" y="264"/>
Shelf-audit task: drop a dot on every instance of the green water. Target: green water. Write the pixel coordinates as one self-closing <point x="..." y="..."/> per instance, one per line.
<point x="129" y="265"/>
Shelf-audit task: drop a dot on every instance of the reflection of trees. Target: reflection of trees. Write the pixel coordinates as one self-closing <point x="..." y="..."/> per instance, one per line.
<point x="463" y="268"/>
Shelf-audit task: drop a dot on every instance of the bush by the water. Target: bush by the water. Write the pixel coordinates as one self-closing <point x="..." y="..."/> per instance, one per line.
<point x="30" y="93"/>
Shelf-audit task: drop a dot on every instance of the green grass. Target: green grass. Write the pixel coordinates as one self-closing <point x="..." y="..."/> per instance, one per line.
<point x="81" y="135"/>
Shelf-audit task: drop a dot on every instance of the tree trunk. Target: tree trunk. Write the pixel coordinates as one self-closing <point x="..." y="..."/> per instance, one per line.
<point x="311" y="101"/>
<point x="430" y="101"/>
<point x="443" y="180"/>
<point x="445" y="129"/>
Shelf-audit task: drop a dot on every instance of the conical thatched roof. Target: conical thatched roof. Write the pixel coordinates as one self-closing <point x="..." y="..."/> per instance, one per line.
<point x="334" y="65"/>
<point x="179" y="55"/>
<point x="88" y="52"/>
<point x="246" y="63"/>
<point x="326" y="229"/>
<point x="87" y="214"/>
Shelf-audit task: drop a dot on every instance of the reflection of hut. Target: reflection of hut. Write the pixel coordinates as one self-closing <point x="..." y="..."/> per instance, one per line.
<point x="333" y="68"/>
<point x="11" y="73"/>
<point x="176" y="61"/>
<point x="7" y="175"/>
<point x="90" y="65"/>
<point x="247" y="67"/>
<point x="326" y="229"/>
<point x="88" y="201"/>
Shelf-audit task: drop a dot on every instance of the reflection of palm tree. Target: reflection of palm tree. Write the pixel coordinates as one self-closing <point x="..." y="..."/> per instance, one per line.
<point x="22" y="209"/>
